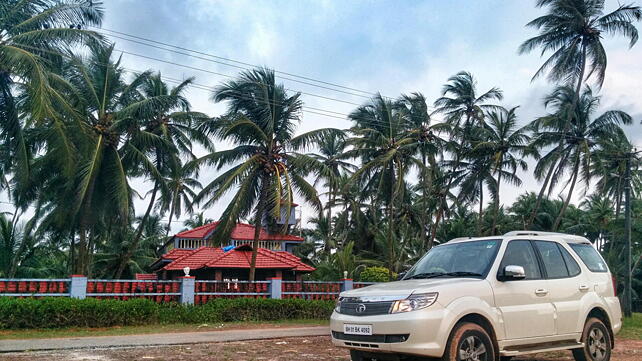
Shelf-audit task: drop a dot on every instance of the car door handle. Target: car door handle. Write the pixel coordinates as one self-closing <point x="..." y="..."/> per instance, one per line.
<point x="541" y="292"/>
<point x="583" y="288"/>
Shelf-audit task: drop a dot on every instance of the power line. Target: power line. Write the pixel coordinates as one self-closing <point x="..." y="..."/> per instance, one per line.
<point x="368" y="93"/>
<point x="317" y="112"/>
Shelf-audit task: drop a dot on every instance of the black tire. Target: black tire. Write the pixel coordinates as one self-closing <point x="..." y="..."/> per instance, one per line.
<point x="469" y="339"/>
<point x="597" y="342"/>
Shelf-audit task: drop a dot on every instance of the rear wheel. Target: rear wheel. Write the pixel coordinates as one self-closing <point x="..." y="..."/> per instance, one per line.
<point x="469" y="342"/>
<point x="597" y="342"/>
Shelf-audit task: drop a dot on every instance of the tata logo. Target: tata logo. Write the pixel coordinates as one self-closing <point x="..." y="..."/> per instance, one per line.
<point x="361" y="308"/>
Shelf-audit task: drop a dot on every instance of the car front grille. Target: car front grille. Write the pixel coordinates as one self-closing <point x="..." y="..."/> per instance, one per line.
<point x="370" y="338"/>
<point x="365" y="308"/>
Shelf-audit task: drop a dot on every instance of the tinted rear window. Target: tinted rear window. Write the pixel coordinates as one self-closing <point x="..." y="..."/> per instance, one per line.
<point x="553" y="260"/>
<point x="589" y="256"/>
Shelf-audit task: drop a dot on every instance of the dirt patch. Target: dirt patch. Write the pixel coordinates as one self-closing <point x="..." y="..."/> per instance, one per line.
<point x="300" y="348"/>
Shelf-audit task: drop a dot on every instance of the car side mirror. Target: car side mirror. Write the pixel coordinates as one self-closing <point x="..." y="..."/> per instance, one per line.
<point x="512" y="272"/>
<point x="401" y="275"/>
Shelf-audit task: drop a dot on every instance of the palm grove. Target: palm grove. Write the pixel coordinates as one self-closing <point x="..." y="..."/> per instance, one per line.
<point x="409" y="173"/>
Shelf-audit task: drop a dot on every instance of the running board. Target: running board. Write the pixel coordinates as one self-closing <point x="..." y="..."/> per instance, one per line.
<point x="523" y="350"/>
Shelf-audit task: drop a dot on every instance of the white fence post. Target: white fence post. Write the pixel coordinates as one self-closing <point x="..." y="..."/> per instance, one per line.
<point x="347" y="284"/>
<point x="275" y="288"/>
<point x="188" y="284"/>
<point x="78" y="287"/>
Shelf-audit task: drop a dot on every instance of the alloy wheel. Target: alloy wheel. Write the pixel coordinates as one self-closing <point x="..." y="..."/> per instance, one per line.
<point x="472" y="348"/>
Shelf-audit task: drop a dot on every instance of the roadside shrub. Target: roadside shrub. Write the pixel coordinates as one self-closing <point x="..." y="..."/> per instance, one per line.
<point x="375" y="274"/>
<point x="56" y="312"/>
<point x="59" y="312"/>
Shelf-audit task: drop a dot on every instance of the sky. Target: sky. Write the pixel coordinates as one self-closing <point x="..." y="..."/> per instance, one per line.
<point x="392" y="47"/>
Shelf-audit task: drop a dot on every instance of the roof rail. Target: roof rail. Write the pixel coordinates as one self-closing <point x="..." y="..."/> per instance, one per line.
<point x="564" y="236"/>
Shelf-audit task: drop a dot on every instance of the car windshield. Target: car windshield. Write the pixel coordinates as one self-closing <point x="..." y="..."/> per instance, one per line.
<point x="461" y="259"/>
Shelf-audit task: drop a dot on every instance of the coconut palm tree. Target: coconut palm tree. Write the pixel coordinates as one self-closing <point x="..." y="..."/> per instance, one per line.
<point x="507" y="145"/>
<point x="266" y="167"/>
<point x="170" y="119"/>
<point x="197" y="220"/>
<point x="386" y="147"/>
<point x="110" y="144"/>
<point x="17" y="242"/>
<point x="461" y="104"/>
<point x="429" y="146"/>
<point x="609" y="166"/>
<point x="572" y="30"/>
<point x="182" y="187"/>
<point x="464" y="110"/>
<point x="33" y="34"/>
<point x="331" y="155"/>
<point x="476" y="173"/>
<point x="580" y="138"/>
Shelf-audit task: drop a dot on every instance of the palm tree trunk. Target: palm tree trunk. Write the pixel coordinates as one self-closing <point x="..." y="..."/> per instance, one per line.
<point x="433" y="232"/>
<point x="139" y="232"/>
<point x="258" y="220"/>
<point x="558" y="220"/>
<point x="171" y="215"/>
<point x="494" y="227"/>
<point x="540" y="196"/>
<point x="326" y="246"/>
<point x="618" y="198"/>
<point x="424" y="205"/>
<point x="576" y="96"/>
<point x="391" y="214"/>
<point x="481" y="208"/>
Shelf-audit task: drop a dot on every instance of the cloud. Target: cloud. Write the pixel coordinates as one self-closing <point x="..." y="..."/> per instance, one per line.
<point x="383" y="46"/>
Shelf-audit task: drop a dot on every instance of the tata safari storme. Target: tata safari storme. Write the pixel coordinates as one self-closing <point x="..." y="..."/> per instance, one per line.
<point x="483" y="299"/>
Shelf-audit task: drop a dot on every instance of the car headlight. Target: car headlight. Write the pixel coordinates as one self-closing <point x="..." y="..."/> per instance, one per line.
<point x="414" y="302"/>
<point x="337" y="305"/>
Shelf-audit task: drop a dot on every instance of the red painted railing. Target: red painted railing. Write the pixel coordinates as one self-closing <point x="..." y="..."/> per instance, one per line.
<point x="34" y="287"/>
<point x="207" y="290"/>
<point x="159" y="291"/>
<point x="362" y="284"/>
<point x="311" y="290"/>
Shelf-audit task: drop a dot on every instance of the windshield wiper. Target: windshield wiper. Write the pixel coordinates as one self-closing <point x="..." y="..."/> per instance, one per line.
<point x="442" y="274"/>
<point x="424" y="275"/>
<point x="463" y="274"/>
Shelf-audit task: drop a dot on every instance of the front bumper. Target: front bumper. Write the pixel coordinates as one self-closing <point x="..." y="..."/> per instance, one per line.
<point x="420" y="332"/>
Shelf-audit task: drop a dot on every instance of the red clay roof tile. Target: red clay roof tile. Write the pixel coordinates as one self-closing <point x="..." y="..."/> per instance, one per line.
<point x="242" y="232"/>
<point x="239" y="257"/>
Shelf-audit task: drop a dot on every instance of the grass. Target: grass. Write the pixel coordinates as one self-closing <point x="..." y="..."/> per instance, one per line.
<point x="632" y="327"/>
<point x="149" y="329"/>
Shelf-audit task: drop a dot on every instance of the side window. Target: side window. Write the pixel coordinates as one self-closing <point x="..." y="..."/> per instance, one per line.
<point x="589" y="256"/>
<point x="552" y="258"/>
<point x="521" y="253"/>
<point x="573" y="267"/>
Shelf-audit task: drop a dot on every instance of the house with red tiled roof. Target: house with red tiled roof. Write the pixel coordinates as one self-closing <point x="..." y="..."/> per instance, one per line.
<point x="193" y="249"/>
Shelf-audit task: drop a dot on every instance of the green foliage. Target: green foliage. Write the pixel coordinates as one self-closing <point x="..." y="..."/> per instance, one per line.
<point x="59" y="312"/>
<point x="54" y="312"/>
<point x="375" y="274"/>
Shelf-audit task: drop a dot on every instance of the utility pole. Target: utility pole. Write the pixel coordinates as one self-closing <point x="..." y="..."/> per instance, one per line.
<point x="627" y="226"/>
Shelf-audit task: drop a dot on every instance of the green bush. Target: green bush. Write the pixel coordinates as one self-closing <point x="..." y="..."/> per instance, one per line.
<point x="58" y="312"/>
<point x="375" y="274"/>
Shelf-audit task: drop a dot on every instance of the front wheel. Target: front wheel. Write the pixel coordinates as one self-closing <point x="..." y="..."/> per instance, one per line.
<point x="469" y="342"/>
<point x="597" y="342"/>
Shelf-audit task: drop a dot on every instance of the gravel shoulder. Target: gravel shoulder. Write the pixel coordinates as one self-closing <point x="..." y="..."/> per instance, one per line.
<point x="316" y="348"/>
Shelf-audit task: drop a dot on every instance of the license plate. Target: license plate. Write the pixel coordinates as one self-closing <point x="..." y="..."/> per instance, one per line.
<point x="349" y="329"/>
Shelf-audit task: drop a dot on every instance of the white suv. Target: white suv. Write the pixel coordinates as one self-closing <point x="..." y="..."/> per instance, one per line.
<point x="481" y="299"/>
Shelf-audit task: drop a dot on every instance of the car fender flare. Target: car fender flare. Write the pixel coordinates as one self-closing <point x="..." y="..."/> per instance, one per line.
<point x="464" y="306"/>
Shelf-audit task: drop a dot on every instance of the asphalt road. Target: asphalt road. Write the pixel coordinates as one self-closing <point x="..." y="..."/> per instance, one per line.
<point x="161" y="339"/>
